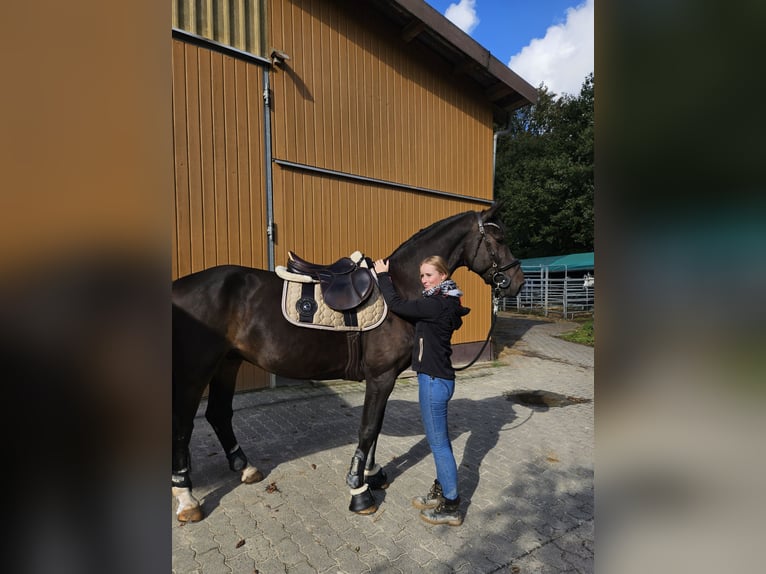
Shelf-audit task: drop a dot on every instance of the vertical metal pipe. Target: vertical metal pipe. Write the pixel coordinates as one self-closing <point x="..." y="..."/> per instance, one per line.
<point x="267" y="168"/>
<point x="496" y="135"/>
<point x="269" y="183"/>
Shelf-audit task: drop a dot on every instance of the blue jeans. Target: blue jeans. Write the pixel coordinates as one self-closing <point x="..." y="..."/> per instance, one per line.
<point x="434" y="394"/>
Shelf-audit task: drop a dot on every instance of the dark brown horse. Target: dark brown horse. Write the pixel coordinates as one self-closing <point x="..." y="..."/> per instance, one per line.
<point x="228" y="314"/>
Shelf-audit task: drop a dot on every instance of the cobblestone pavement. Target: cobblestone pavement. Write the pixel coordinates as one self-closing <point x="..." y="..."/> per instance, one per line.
<point x="525" y="474"/>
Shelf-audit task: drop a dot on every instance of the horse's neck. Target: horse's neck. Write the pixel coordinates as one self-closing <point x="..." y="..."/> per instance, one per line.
<point x="444" y="240"/>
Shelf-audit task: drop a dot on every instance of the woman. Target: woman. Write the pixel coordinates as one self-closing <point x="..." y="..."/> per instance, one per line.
<point x="436" y="315"/>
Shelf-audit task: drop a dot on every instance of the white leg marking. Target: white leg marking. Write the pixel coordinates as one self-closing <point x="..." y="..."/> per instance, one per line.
<point x="185" y="499"/>
<point x="248" y="472"/>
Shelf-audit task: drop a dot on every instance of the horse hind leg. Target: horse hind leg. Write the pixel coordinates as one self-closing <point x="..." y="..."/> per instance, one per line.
<point x="185" y="405"/>
<point x="189" y="508"/>
<point x="219" y="414"/>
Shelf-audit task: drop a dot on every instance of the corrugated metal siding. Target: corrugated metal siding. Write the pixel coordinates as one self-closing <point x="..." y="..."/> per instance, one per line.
<point x="236" y="23"/>
<point x="220" y="195"/>
<point x="350" y="99"/>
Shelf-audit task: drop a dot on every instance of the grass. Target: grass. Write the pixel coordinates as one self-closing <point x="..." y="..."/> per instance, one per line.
<point x="583" y="334"/>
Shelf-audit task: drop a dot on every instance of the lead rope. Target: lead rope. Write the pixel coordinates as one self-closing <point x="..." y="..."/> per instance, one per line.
<point x="495" y="308"/>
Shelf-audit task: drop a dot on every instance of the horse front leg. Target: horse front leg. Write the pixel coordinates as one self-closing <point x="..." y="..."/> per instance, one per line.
<point x="219" y="414"/>
<point x="374" y="474"/>
<point x="361" y="475"/>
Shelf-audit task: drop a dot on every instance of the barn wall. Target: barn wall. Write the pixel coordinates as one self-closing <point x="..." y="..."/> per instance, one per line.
<point x="236" y="23"/>
<point x="220" y="194"/>
<point x="219" y="158"/>
<point x="353" y="99"/>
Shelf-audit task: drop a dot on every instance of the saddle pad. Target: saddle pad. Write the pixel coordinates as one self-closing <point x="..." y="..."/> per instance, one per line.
<point x="369" y="314"/>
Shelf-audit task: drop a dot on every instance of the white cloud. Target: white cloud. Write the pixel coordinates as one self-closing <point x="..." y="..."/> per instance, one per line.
<point x="463" y="15"/>
<point x="563" y="58"/>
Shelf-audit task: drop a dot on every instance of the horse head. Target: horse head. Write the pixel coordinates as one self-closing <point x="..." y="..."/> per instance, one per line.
<point x="488" y="255"/>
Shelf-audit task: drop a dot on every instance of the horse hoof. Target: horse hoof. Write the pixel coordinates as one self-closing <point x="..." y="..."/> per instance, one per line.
<point x="251" y="475"/>
<point x="363" y="503"/>
<point x="193" y="514"/>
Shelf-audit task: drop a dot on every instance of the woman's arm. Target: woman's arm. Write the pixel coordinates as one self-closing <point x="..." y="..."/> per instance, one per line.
<point x="423" y="308"/>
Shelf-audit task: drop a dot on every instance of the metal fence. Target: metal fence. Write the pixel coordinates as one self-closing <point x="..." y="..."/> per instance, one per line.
<point x="558" y="296"/>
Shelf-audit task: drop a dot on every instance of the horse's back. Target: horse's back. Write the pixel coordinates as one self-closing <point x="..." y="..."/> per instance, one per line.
<point x="220" y="284"/>
<point x="215" y="296"/>
<point x="210" y="278"/>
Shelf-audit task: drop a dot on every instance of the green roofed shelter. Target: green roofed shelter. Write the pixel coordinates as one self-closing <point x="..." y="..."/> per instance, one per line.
<point x="571" y="262"/>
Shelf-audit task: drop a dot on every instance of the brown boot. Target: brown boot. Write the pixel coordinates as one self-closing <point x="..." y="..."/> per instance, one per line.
<point x="430" y="500"/>
<point x="446" y="512"/>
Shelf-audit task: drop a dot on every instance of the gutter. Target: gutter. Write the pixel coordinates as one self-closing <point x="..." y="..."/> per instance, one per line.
<point x="496" y="135"/>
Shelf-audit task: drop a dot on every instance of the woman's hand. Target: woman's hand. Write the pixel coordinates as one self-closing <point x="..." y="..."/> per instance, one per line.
<point x="381" y="266"/>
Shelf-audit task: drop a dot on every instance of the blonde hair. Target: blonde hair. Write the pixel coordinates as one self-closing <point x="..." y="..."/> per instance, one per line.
<point x="438" y="262"/>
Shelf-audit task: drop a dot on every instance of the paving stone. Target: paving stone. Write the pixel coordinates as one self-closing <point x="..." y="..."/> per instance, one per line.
<point x="525" y="473"/>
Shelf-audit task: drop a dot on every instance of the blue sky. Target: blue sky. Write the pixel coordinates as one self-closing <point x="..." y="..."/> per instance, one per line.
<point x="544" y="41"/>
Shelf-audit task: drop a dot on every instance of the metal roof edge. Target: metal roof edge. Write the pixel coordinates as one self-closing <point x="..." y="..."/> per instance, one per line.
<point x="572" y="261"/>
<point x="436" y="24"/>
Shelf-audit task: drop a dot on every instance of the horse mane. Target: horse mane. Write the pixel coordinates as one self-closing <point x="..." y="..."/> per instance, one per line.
<point x="428" y="230"/>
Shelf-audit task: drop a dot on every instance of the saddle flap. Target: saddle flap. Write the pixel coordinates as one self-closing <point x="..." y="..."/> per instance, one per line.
<point x="344" y="292"/>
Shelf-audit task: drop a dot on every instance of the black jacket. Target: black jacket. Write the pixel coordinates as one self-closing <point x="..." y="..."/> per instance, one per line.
<point x="436" y="318"/>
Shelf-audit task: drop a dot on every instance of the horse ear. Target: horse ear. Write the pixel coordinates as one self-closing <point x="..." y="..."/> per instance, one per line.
<point x="494" y="211"/>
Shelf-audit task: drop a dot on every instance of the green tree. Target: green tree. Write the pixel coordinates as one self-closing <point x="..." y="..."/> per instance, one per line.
<point x="544" y="175"/>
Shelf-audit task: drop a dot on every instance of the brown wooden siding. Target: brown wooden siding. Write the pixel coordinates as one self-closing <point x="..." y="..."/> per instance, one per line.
<point x="220" y="196"/>
<point x="354" y="98"/>
<point x="218" y="137"/>
<point x="325" y="218"/>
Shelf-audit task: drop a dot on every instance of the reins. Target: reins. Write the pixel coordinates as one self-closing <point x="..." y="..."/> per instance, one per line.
<point x="498" y="278"/>
<point x="495" y="305"/>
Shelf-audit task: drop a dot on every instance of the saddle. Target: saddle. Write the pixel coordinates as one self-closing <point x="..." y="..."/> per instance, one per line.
<point x="345" y="284"/>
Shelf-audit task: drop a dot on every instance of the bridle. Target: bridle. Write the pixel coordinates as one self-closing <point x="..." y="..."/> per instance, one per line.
<point x="499" y="279"/>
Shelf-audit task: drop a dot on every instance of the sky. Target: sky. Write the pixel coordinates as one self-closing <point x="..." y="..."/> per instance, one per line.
<point x="544" y="41"/>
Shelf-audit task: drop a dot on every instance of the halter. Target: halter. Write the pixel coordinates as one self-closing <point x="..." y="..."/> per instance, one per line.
<point x="499" y="279"/>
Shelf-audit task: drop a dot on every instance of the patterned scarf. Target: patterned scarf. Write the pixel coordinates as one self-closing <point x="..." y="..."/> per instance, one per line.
<point x="446" y="287"/>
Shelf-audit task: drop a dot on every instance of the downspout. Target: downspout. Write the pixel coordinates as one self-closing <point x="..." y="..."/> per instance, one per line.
<point x="502" y="132"/>
<point x="270" y="228"/>
<point x="494" y="161"/>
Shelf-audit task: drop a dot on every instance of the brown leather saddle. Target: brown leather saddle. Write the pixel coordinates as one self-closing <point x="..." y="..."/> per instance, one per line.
<point x="345" y="284"/>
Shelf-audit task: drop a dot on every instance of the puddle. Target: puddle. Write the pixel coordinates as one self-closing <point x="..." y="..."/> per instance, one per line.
<point x="543" y="399"/>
